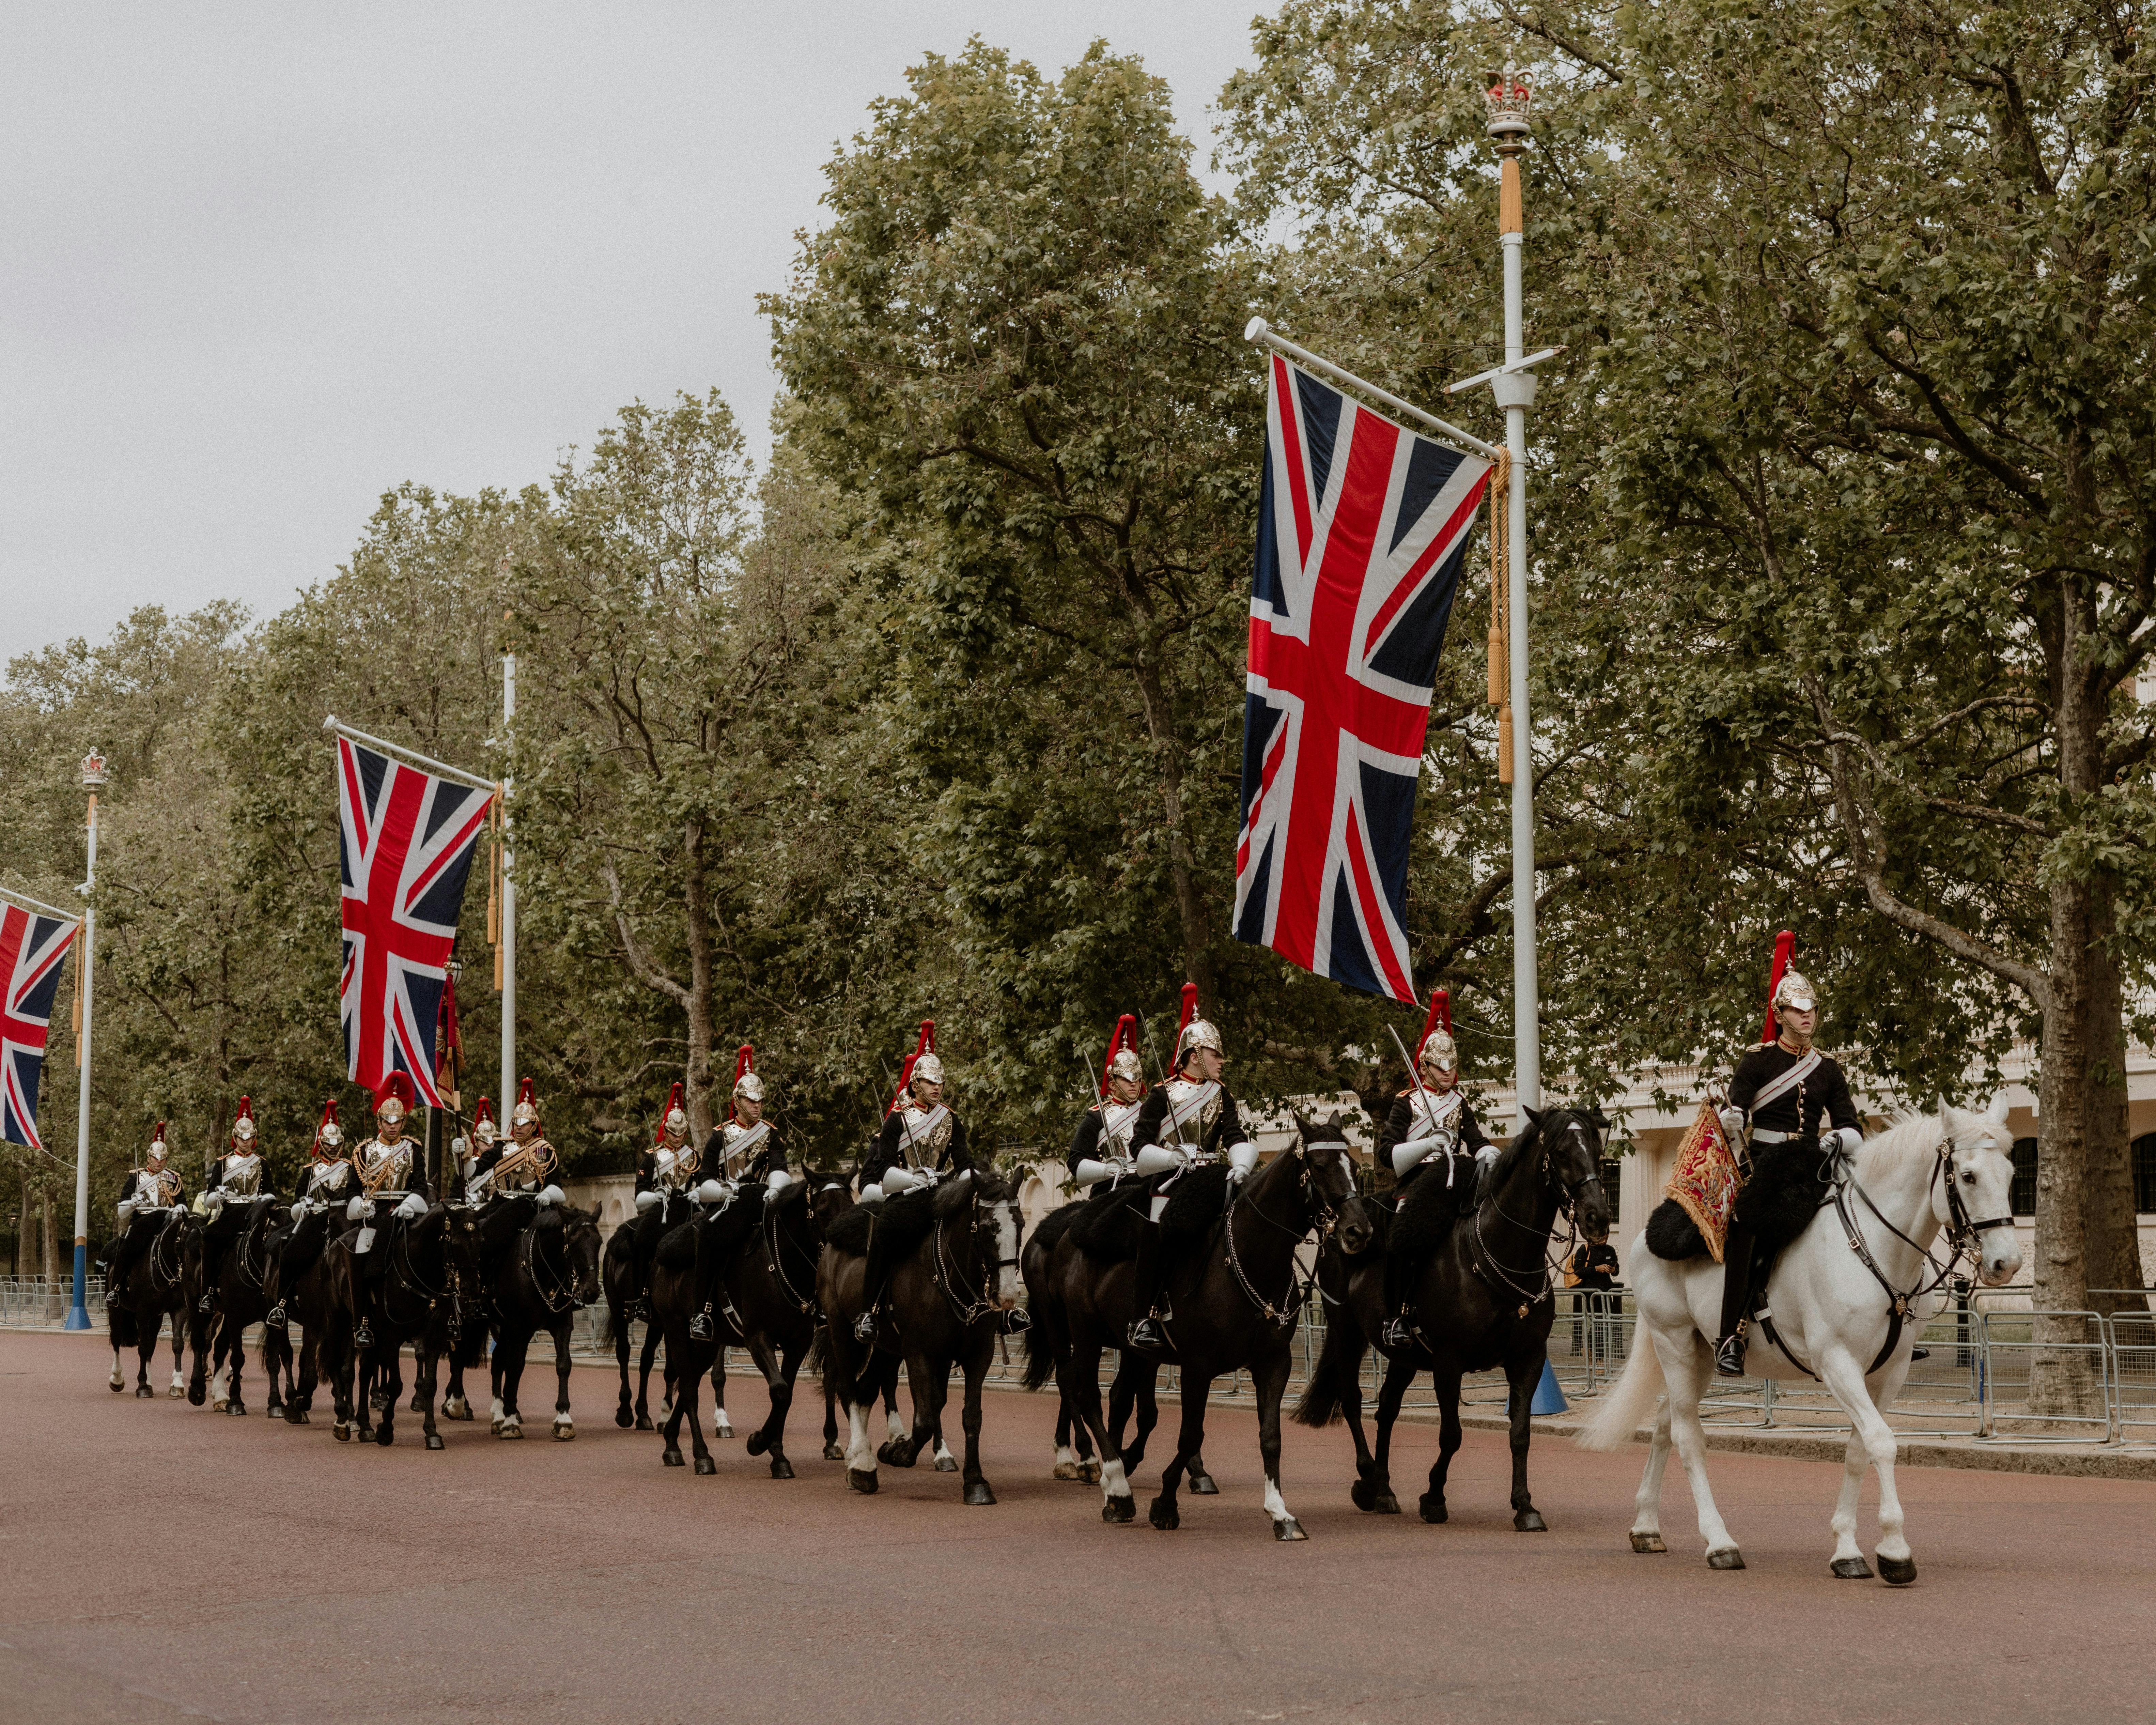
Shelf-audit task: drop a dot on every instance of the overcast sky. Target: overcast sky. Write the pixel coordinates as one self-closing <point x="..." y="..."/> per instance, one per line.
<point x="263" y="263"/>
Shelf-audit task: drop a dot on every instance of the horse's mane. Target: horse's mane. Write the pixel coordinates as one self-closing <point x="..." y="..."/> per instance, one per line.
<point x="1516" y="1152"/>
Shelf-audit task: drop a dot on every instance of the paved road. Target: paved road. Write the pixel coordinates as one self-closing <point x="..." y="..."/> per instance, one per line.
<point x="167" y="1563"/>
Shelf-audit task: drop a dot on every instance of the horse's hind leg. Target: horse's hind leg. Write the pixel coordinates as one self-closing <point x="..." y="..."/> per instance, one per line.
<point x="145" y="1350"/>
<point x="1897" y="1568"/>
<point x="624" y="1412"/>
<point x="721" y="1427"/>
<point x="391" y="1370"/>
<point x="644" y="1378"/>
<point x="1190" y="1437"/>
<point x="778" y="1367"/>
<point x="1399" y="1374"/>
<point x="1647" y="1507"/>
<point x="833" y="1451"/>
<point x="685" y="1395"/>
<point x="1686" y="1363"/>
<point x="1848" y="1561"/>
<point x="426" y="1367"/>
<point x="977" y="1372"/>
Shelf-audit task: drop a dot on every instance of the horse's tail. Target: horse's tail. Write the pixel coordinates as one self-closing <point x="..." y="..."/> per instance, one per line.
<point x="1338" y="1362"/>
<point x="121" y="1322"/>
<point x="819" y="1347"/>
<point x="1630" y="1401"/>
<point x="1039" y="1355"/>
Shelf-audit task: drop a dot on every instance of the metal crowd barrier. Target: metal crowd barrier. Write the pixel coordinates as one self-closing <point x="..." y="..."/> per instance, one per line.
<point x="2015" y="1363"/>
<point x="28" y="1300"/>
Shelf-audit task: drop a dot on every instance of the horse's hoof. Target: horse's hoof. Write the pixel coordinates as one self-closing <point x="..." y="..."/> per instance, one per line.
<point x="434" y="1440"/>
<point x="1851" y="1568"/>
<point x="496" y="1425"/>
<point x="1729" y="1557"/>
<point x="1092" y="1471"/>
<point x="116" y="1386"/>
<point x="834" y="1451"/>
<point x="781" y="1468"/>
<point x="863" y="1483"/>
<point x="385" y="1436"/>
<point x="897" y="1452"/>
<point x="218" y="1406"/>
<point x="1896" y="1571"/>
<point x="1201" y="1486"/>
<point x="1647" y="1542"/>
<point x="1530" y="1521"/>
<point x="456" y="1410"/>
<point x="644" y="1423"/>
<point x="418" y="1402"/>
<point x="195" y="1397"/>
<point x="1069" y="1470"/>
<point x="1287" y="1528"/>
<point x="1431" y="1507"/>
<point x="757" y="1443"/>
<point x="175" y="1393"/>
<point x="672" y="1458"/>
<point x="704" y="1465"/>
<point x="1162" y="1515"/>
<point x="564" y="1430"/>
<point x="144" y="1393"/>
<point x="723" y="1428"/>
<point x="979" y="1493"/>
<point x="1115" y="1510"/>
<point x="1377" y="1500"/>
<point x="949" y="1464"/>
<point x="343" y="1430"/>
<point x="623" y="1418"/>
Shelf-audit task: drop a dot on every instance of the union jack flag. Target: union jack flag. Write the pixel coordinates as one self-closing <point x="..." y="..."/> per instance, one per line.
<point x="31" y="948"/>
<point x="405" y="848"/>
<point x="1362" y="530"/>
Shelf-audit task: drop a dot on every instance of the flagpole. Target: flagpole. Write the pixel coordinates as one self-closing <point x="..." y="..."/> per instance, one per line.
<point x="508" y="899"/>
<point x="1515" y="393"/>
<point x="78" y="1315"/>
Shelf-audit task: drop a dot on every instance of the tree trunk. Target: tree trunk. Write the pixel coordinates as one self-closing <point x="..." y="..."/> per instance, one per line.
<point x="698" y="1082"/>
<point x="51" y="1253"/>
<point x="1182" y="862"/>
<point x="22" y="1226"/>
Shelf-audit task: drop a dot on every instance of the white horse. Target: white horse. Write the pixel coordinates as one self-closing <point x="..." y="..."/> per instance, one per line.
<point x="1833" y="1308"/>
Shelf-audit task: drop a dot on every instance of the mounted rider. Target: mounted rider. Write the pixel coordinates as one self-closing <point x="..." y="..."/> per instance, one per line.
<point x="1189" y="1122"/>
<point x="236" y="1178"/>
<point x="1790" y="1105"/>
<point x="150" y="1198"/>
<point x="1100" y="1158"/>
<point x="481" y="1136"/>
<point x="922" y="1143"/>
<point x="324" y="1185"/>
<point x="665" y="1175"/>
<point x="1431" y="1130"/>
<point x="520" y="1166"/>
<point x="393" y="1189"/>
<point x="741" y="1152"/>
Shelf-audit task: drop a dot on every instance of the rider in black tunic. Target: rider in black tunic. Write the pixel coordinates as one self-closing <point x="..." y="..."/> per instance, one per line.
<point x="743" y="1165"/>
<point x="148" y="1197"/>
<point x="1795" y="1103"/>
<point x="1436" y="1150"/>
<point x="921" y="1143"/>
<point x="326" y="1186"/>
<point x="1189" y="1122"/>
<point x="233" y="1180"/>
<point x="1100" y="1155"/>
<point x="664" y="1175"/>
<point x="393" y="1191"/>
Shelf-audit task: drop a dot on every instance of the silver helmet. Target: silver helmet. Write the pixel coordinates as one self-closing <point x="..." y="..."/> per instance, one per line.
<point x="750" y="1085"/>
<point x="1127" y="1066"/>
<point x="1197" y="1034"/>
<point x="927" y="1069"/>
<point x="1440" y="1051"/>
<point x="1795" y="993"/>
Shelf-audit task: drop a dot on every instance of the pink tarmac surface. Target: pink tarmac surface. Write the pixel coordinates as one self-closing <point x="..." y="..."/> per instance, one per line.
<point x="166" y="1563"/>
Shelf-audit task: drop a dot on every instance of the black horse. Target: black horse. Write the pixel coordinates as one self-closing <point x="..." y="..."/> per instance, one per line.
<point x="426" y="1295"/>
<point x="1484" y="1300"/>
<point x="947" y="1301"/>
<point x="618" y="1279"/>
<point x="754" y="1275"/>
<point x="165" y="1278"/>
<point x="239" y="1298"/>
<point x="551" y="1269"/>
<point x="1235" y="1297"/>
<point x="299" y="1282"/>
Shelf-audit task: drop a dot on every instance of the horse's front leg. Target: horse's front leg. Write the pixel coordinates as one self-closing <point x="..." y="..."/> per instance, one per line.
<point x="1647" y="1506"/>
<point x="644" y="1378"/>
<point x="179" y="1341"/>
<point x="392" y="1371"/>
<point x="624" y="1412"/>
<point x="1686" y="1363"/>
<point x="426" y="1367"/>
<point x="1399" y="1374"/>
<point x="235" y="1402"/>
<point x="978" y="1360"/>
<point x="1269" y="1377"/>
<point x="145" y="1350"/>
<point x="721" y="1427"/>
<point x="1839" y="1369"/>
<point x="778" y="1368"/>
<point x="565" y="1427"/>
<point x="1523" y="1377"/>
<point x="929" y="1388"/>
<point x="833" y="1451"/>
<point x="1190" y="1437"/>
<point x="1078" y="1381"/>
<point x="512" y="1380"/>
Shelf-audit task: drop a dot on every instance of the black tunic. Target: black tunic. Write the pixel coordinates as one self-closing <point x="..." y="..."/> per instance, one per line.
<point x="769" y="1160"/>
<point x="1085" y="1146"/>
<point x="888" y="1151"/>
<point x="1406" y="1122"/>
<point x="141" y="1185"/>
<point x="216" y="1179"/>
<point x="1826" y="1093"/>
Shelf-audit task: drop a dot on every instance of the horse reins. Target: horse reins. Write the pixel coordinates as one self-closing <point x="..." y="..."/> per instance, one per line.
<point x="973" y="1310"/>
<point x="775" y="1259"/>
<point x="1327" y="1219"/>
<point x="1569" y="1203"/>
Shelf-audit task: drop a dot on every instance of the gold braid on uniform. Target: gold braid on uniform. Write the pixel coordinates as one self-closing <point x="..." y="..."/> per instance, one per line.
<point x="535" y="1160"/>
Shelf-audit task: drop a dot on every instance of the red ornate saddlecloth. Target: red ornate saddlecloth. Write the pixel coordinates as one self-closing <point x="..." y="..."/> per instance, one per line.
<point x="1705" y="1181"/>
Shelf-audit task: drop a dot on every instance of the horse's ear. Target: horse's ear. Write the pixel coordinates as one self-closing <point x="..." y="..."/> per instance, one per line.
<point x="1996" y="1113"/>
<point x="1533" y="1114"/>
<point x="1332" y="1123"/>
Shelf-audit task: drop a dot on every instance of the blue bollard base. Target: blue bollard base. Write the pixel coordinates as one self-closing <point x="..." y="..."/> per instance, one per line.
<point x="1549" y="1398"/>
<point x="78" y="1318"/>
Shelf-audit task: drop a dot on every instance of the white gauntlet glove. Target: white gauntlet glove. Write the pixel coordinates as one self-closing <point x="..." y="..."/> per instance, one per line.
<point x="1241" y="1159"/>
<point x="1848" y="1137"/>
<point x="1157" y="1159"/>
<point x="648" y="1200"/>
<point x="356" y="1210"/>
<point x="778" y="1180"/>
<point x="899" y="1179"/>
<point x="413" y="1207"/>
<point x="1091" y="1172"/>
<point x="1732" y="1123"/>
<point x="1410" y="1151"/>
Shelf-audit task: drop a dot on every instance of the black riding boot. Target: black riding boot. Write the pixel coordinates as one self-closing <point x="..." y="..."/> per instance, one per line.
<point x="1735" y="1300"/>
<point x="1399" y="1301"/>
<point x="872" y="1276"/>
<point x="1144" y="1329"/>
<point x="700" y="1328"/>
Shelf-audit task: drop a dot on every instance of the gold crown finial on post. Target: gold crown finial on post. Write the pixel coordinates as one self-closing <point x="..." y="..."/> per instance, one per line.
<point x="93" y="769"/>
<point x="1509" y="102"/>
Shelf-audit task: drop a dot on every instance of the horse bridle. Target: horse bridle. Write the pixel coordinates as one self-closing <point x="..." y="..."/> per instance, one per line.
<point x="1324" y="1222"/>
<point x="1963" y="1234"/>
<point x="1568" y="1204"/>
<point x="564" y="1286"/>
<point x="973" y="1310"/>
<point x="775" y="1259"/>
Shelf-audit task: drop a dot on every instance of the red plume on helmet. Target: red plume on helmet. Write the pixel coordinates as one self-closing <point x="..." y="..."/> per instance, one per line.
<point x="329" y="1118"/>
<point x="1785" y="945"/>
<point x="1189" y="1011"/>
<point x="397" y="1085"/>
<point x="744" y="1064"/>
<point x="244" y="1112"/>
<point x="673" y="1102"/>
<point x="1125" y="1035"/>
<point x="1440" y="1018"/>
<point x="157" y="1137"/>
<point x="926" y="1044"/>
<point x="484" y="1111"/>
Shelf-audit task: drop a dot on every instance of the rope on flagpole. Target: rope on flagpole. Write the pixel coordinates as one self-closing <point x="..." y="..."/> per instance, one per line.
<point x="1501" y="654"/>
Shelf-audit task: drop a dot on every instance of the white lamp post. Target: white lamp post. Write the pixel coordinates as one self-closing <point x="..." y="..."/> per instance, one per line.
<point x="78" y="1315"/>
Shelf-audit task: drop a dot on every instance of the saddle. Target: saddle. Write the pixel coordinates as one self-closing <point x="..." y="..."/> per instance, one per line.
<point x="900" y="1220"/>
<point x="1788" y="1185"/>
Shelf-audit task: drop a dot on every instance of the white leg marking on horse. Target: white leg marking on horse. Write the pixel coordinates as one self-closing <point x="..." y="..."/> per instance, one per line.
<point x="1647" y="1517"/>
<point x="860" y="1453"/>
<point x="898" y="1426"/>
<point x="1276" y="1505"/>
<point x="1113" y="1482"/>
<point x="942" y="1450"/>
<point x="1686" y="1363"/>
<point x="1062" y="1455"/>
<point x="1854" y="1466"/>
